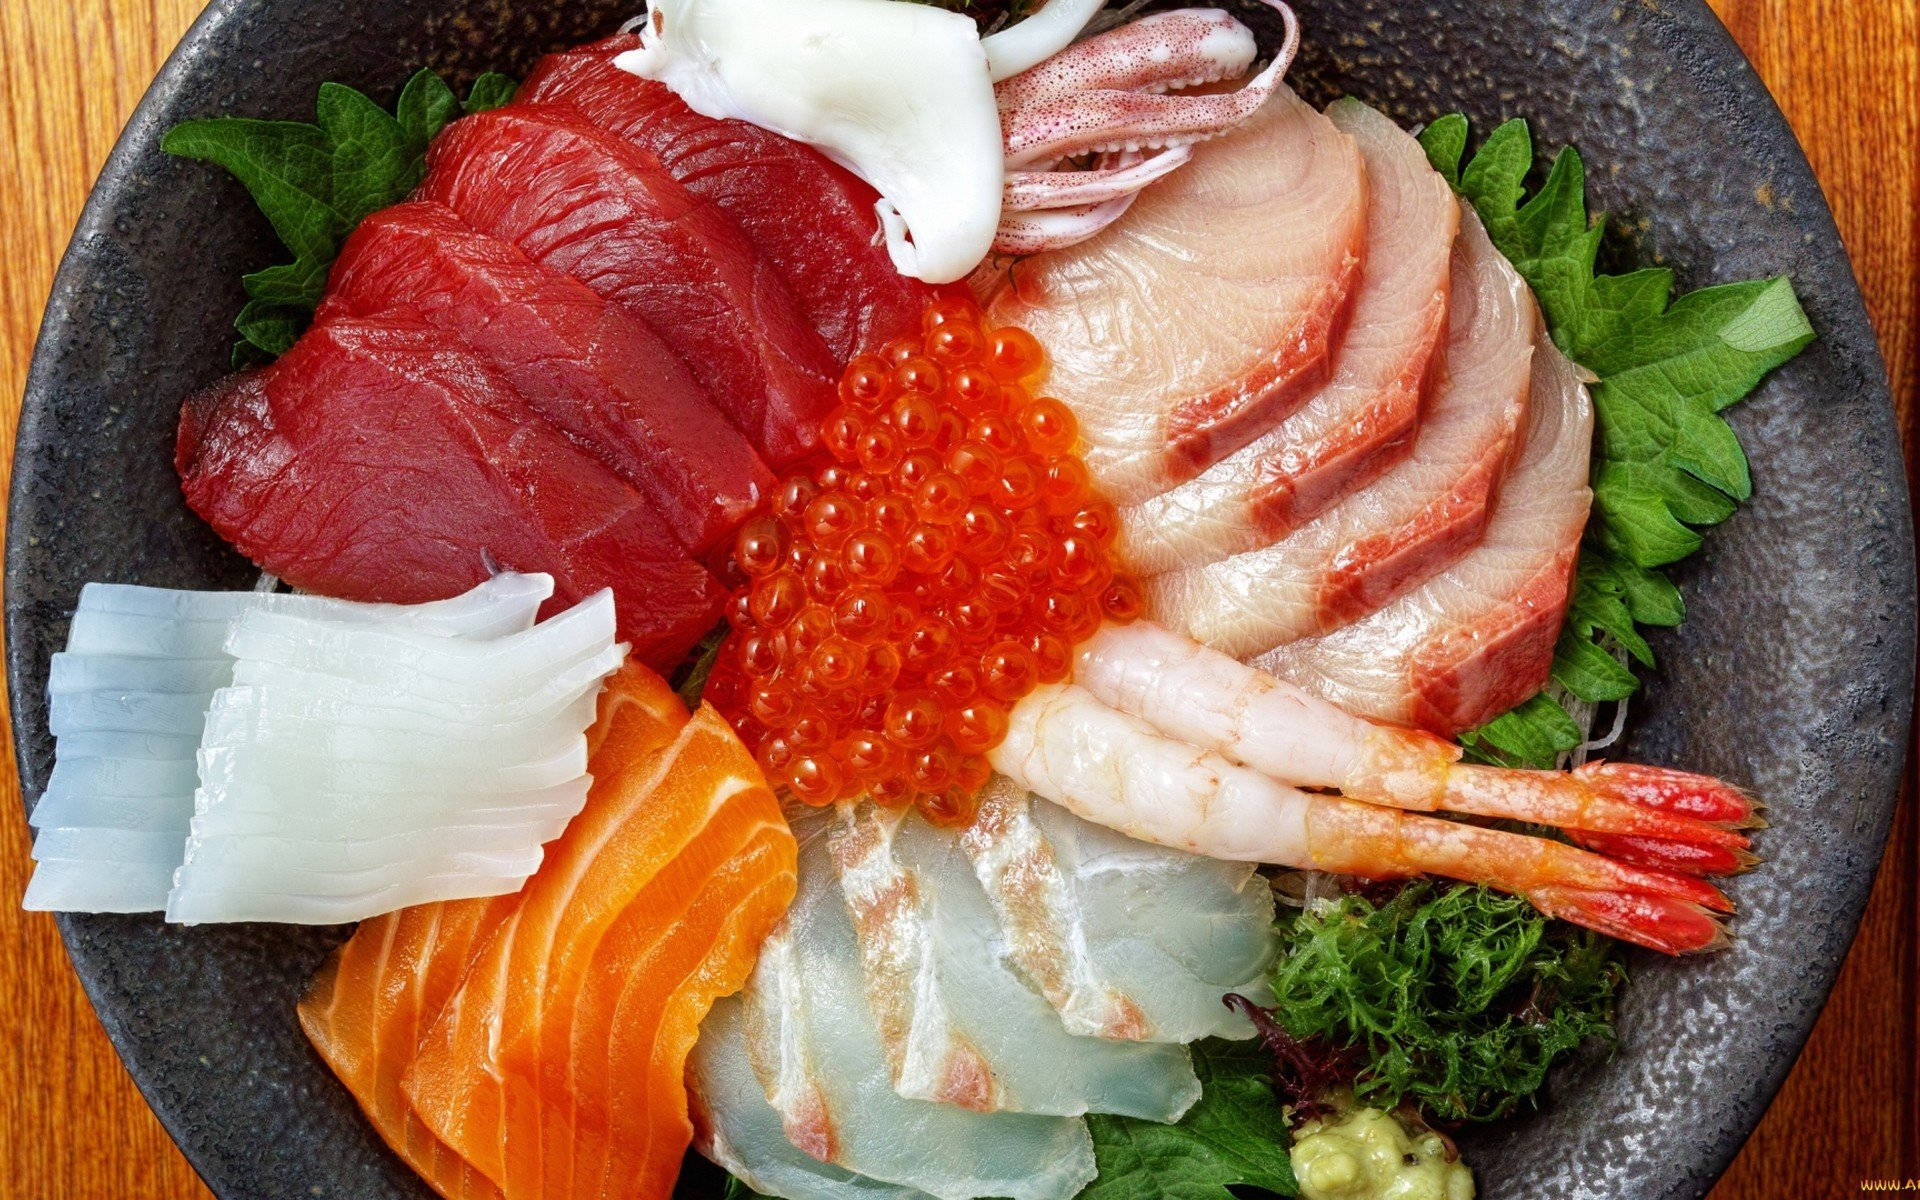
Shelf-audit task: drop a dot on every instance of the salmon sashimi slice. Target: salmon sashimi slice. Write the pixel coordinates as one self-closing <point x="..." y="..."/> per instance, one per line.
<point x="1354" y="426"/>
<point x="1412" y="521"/>
<point x="814" y="220"/>
<point x="1478" y="638"/>
<point x="379" y="460"/>
<point x="594" y="373"/>
<point x="1197" y="321"/>
<point x="660" y="885"/>
<point x="589" y="204"/>
<point x="369" y="1006"/>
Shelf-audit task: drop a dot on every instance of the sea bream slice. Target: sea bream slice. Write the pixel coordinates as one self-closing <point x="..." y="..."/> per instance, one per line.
<point x="1411" y="522"/>
<point x="1208" y="312"/>
<point x="596" y="374"/>
<point x="957" y="1023"/>
<point x="587" y="203"/>
<point x="808" y="216"/>
<point x="381" y="461"/>
<point x="1478" y="638"/>
<point x="817" y="1050"/>
<point x="1362" y="421"/>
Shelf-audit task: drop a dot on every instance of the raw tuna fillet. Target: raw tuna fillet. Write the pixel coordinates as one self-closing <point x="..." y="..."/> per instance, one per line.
<point x="1477" y="639"/>
<point x="957" y="1022"/>
<point x="558" y="1068"/>
<point x="1196" y="322"/>
<point x="1364" y="417"/>
<point x="812" y="219"/>
<point x="380" y="461"/>
<point x="1408" y="524"/>
<point x="600" y="377"/>
<point x="588" y="204"/>
<point x="372" y="1003"/>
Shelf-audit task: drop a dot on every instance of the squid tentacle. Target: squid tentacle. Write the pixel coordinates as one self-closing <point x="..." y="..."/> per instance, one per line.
<point x="1030" y="190"/>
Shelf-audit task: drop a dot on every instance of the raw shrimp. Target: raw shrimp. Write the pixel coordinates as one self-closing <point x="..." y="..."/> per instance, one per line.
<point x="1650" y="815"/>
<point x="1118" y="770"/>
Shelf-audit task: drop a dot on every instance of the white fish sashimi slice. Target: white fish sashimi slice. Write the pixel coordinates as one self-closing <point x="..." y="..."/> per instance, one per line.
<point x="81" y="673"/>
<point x="242" y="716"/>
<point x="69" y="885"/>
<point x="961" y="1026"/>
<point x="168" y="714"/>
<point x="291" y="908"/>
<point x="1125" y="939"/>
<point x="736" y="1128"/>
<point x="817" y="1051"/>
<point x="401" y="660"/>
<point x="109" y="845"/>
<point x="543" y="700"/>
<point x="506" y="603"/>
<point x="222" y="768"/>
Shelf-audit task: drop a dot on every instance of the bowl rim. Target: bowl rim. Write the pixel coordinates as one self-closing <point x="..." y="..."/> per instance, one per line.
<point x="1715" y="62"/>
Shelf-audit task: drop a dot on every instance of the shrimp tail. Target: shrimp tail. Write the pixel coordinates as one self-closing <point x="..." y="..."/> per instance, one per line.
<point x="1661" y="909"/>
<point x="1691" y="858"/>
<point x="1680" y="793"/>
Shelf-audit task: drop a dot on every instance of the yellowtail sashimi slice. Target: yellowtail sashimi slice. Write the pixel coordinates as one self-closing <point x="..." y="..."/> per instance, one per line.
<point x="1365" y="415"/>
<point x="816" y="1048"/>
<point x="1414" y="520"/>
<point x="1124" y="938"/>
<point x="736" y="1128"/>
<point x="957" y="1024"/>
<point x="1211" y="310"/>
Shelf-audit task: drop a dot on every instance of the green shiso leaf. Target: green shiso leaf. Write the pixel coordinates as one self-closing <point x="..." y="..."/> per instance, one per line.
<point x="316" y="182"/>
<point x="1234" y="1137"/>
<point x="1666" y="465"/>
<point x="1456" y="999"/>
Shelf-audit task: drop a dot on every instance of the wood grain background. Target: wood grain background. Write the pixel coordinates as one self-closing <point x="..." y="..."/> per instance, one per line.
<point x="1847" y="73"/>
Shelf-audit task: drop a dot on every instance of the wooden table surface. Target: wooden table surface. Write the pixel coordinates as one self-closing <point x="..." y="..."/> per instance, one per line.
<point x="1847" y="72"/>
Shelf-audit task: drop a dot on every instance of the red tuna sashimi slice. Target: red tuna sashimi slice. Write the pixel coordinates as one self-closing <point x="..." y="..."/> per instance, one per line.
<point x="374" y="1001"/>
<point x="1363" y="419"/>
<point x="601" y="377"/>
<point x="589" y="205"/>
<point x="1477" y="639"/>
<point x="380" y="461"/>
<point x="811" y="218"/>
<point x="1413" y="520"/>
<point x="1202" y="317"/>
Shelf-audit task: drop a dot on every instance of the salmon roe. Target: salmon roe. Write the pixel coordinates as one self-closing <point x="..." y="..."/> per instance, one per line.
<point x="902" y="597"/>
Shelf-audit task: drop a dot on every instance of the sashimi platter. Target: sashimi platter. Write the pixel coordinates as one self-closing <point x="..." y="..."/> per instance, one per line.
<point x="878" y="600"/>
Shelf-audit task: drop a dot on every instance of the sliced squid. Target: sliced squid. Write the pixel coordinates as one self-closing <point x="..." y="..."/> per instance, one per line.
<point x="957" y="1024"/>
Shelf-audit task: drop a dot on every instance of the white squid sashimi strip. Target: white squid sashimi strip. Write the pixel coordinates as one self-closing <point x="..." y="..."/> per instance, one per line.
<point x="169" y="714"/>
<point x="86" y="885"/>
<point x="103" y="844"/>
<point x="958" y="1025"/>
<point x="352" y="814"/>
<point x="222" y="767"/>
<point x="77" y="777"/>
<point x="228" y="867"/>
<point x="290" y="908"/>
<point x="1126" y="939"/>
<point x="543" y="701"/>
<point x="737" y="1129"/>
<point x="450" y="828"/>
<point x="216" y="848"/>
<point x="400" y="660"/>
<point x="239" y="716"/>
<point x="81" y="673"/>
<point x="123" y="745"/>
<point x="816" y="1049"/>
<point x="90" y="809"/>
<point x="506" y="603"/>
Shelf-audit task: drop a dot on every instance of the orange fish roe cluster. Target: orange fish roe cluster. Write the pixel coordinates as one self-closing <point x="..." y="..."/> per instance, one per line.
<point x="899" y="600"/>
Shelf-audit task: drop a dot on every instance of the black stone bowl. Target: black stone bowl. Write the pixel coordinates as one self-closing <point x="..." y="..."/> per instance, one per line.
<point x="1793" y="674"/>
